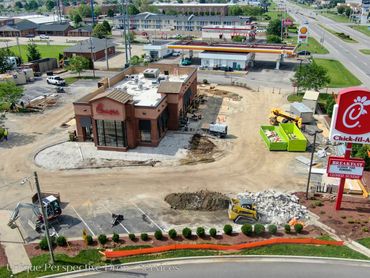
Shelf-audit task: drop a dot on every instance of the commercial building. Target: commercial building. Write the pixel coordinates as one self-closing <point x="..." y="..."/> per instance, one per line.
<point x="222" y="60"/>
<point x="136" y="107"/>
<point x="220" y="9"/>
<point x="217" y="32"/>
<point x="54" y="29"/>
<point x="159" y="22"/>
<point x="93" y="49"/>
<point x="18" y="28"/>
<point x="157" y="49"/>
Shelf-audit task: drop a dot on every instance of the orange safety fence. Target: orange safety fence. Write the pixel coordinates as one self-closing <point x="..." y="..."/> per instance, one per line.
<point x="124" y="253"/>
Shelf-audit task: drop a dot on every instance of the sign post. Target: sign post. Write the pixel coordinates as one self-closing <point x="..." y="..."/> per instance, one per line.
<point x="349" y="124"/>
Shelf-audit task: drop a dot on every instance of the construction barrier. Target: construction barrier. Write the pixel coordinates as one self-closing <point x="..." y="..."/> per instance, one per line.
<point x="125" y="253"/>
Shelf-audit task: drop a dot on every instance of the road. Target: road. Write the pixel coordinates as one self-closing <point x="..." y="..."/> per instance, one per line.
<point x="239" y="267"/>
<point x="346" y="53"/>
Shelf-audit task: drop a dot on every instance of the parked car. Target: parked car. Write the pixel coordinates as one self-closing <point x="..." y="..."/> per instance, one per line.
<point x="55" y="80"/>
<point x="44" y="37"/>
<point x="304" y="53"/>
<point x="176" y="53"/>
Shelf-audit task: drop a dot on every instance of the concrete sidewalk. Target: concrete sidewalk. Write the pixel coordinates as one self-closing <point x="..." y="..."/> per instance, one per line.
<point x="13" y="244"/>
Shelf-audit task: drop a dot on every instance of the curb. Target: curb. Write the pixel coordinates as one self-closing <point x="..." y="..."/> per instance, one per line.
<point x="202" y="259"/>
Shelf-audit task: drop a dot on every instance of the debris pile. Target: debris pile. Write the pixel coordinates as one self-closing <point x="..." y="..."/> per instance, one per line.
<point x="272" y="136"/>
<point x="200" y="144"/>
<point x="276" y="207"/>
<point x="201" y="200"/>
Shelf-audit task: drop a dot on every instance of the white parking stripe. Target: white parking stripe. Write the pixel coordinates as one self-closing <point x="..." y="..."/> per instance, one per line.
<point x="83" y="221"/>
<point x="119" y="222"/>
<point x="147" y="216"/>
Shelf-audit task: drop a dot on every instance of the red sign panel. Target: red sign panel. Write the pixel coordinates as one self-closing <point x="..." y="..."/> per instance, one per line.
<point x="339" y="167"/>
<point x="100" y="110"/>
<point x="351" y="117"/>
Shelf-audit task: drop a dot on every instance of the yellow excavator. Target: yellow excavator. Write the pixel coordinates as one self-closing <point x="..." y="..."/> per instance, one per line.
<point x="242" y="211"/>
<point x="278" y="116"/>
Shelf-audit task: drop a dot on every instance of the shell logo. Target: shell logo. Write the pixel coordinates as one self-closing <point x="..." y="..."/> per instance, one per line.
<point x="303" y="30"/>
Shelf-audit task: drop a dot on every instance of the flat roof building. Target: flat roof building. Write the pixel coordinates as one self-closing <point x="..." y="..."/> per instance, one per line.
<point x="136" y="106"/>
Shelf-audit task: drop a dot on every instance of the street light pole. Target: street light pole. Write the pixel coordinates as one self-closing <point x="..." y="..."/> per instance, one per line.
<point x="45" y="218"/>
<point x="311" y="161"/>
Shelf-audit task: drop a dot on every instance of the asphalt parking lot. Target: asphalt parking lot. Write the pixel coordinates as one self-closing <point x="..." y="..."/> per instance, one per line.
<point x="96" y="219"/>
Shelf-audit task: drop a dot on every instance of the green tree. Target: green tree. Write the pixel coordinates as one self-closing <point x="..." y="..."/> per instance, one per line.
<point x="84" y="10"/>
<point x="19" y="4"/>
<point x="78" y="64"/>
<point x="97" y="11"/>
<point x="136" y="60"/>
<point x="132" y="9"/>
<point x="273" y="39"/>
<point x="10" y="92"/>
<point x="100" y="31"/>
<point x="110" y="13"/>
<point x="235" y="10"/>
<point x="77" y="19"/>
<point x="4" y="64"/>
<point x="274" y="27"/>
<point x="340" y="9"/>
<point x="311" y="76"/>
<point x="50" y="4"/>
<point x="107" y="26"/>
<point x="361" y="151"/>
<point x="348" y="11"/>
<point x="32" y="52"/>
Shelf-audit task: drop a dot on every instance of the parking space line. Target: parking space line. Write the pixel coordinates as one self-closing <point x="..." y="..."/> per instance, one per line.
<point x="147" y="216"/>
<point x="83" y="221"/>
<point x="119" y="222"/>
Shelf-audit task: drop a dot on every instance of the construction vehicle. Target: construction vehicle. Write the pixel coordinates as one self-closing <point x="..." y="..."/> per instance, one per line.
<point x="242" y="211"/>
<point x="278" y="116"/>
<point x="51" y="205"/>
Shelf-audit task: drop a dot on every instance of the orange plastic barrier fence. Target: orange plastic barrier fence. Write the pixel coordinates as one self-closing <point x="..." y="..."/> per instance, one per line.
<point x="125" y="253"/>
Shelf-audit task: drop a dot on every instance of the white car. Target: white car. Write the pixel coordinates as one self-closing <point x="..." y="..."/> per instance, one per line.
<point x="44" y="37"/>
<point x="55" y="80"/>
<point x="176" y="53"/>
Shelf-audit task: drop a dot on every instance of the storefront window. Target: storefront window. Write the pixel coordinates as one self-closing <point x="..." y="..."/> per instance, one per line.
<point x="145" y="131"/>
<point x="162" y="122"/>
<point x="111" y="133"/>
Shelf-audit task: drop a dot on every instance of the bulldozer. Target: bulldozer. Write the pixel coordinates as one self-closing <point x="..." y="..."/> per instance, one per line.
<point x="242" y="211"/>
<point x="278" y="116"/>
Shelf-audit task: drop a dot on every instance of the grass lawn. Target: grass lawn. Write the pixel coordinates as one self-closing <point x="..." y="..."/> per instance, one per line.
<point x="46" y="51"/>
<point x="340" y="77"/>
<point x="336" y="17"/>
<point x="93" y="258"/>
<point x="342" y="36"/>
<point x="72" y="79"/>
<point x="365" y="241"/>
<point x="365" y="51"/>
<point x="361" y="28"/>
<point x="313" y="45"/>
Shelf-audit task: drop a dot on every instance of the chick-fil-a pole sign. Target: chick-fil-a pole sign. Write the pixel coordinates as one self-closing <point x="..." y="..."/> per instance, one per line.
<point x="351" y="117"/>
<point x="339" y="167"/>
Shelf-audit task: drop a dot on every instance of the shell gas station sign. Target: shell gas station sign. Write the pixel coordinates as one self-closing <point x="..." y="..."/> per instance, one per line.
<point x="303" y="34"/>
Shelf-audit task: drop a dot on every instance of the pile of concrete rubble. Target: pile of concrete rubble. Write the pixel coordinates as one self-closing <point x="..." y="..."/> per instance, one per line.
<point x="276" y="207"/>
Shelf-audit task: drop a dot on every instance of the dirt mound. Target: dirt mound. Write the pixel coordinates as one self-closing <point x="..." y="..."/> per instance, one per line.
<point x="201" y="144"/>
<point x="202" y="200"/>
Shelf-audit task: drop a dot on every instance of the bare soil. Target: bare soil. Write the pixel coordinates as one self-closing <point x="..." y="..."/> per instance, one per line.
<point x="352" y="221"/>
<point x="3" y="258"/>
<point x="202" y="150"/>
<point x="202" y="200"/>
<point x="74" y="247"/>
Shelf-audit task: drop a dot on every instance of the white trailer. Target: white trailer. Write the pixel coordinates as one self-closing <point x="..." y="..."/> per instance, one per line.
<point x="219" y="130"/>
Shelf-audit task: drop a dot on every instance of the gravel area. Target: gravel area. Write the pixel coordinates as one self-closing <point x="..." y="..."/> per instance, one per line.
<point x="72" y="155"/>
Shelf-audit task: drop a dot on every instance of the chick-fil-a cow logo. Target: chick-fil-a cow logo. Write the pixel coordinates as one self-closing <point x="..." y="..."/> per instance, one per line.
<point x="351" y="117"/>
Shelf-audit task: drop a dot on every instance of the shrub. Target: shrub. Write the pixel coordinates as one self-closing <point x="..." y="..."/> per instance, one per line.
<point x="205" y="81"/>
<point x="144" y="236"/>
<point x="201" y="232"/>
<point x="158" y="234"/>
<point x="287" y="228"/>
<point x="365" y="229"/>
<point x="132" y="237"/>
<point x="172" y="233"/>
<point x="247" y="229"/>
<point x="61" y="241"/>
<point x="318" y="203"/>
<point x="115" y="238"/>
<point x="272" y="229"/>
<point x="89" y="240"/>
<point x="259" y="229"/>
<point x="102" y="239"/>
<point x="212" y="232"/>
<point x="228" y="229"/>
<point x="298" y="228"/>
<point x="44" y="244"/>
<point x="186" y="232"/>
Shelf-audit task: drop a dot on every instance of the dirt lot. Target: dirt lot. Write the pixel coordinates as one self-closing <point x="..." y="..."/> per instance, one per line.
<point x="352" y="221"/>
<point x="246" y="165"/>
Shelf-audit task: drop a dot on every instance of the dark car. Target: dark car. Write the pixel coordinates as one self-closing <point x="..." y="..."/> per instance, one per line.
<point x="304" y="53"/>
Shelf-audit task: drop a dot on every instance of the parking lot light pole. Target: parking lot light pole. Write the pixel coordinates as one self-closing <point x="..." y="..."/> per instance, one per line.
<point x="311" y="161"/>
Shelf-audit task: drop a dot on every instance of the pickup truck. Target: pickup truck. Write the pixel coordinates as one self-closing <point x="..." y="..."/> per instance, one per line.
<point x="55" y="80"/>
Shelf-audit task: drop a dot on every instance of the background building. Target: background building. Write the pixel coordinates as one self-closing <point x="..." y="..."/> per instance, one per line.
<point x="136" y="107"/>
<point x="93" y="49"/>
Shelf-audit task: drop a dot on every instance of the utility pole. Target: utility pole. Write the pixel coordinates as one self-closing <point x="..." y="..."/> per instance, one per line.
<point x="311" y="161"/>
<point x="19" y="47"/>
<point x="92" y="56"/>
<point x="106" y="53"/>
<point x="45" y="218"/>
<point x="92" y="12"/>
<point x="123" y="13"/>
